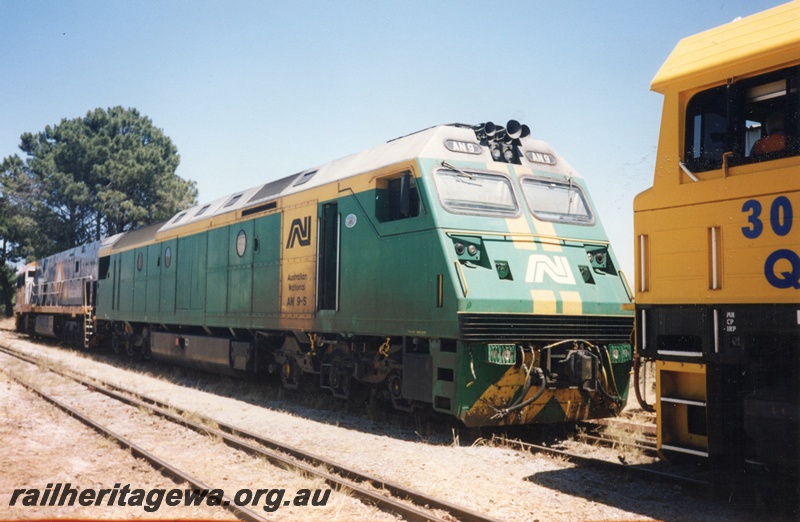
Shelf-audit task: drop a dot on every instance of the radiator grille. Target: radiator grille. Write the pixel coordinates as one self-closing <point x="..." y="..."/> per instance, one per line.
<point x="544" y="328"/>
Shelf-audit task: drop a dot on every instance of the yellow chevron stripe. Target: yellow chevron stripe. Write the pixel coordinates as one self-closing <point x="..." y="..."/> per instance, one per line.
<point x="519" y="225"/>
<point x="544" y="301"/>
<point x="571" y="302"/>
<point x="546" y="228"/>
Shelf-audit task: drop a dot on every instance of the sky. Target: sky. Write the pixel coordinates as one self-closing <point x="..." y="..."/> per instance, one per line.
<point x="252" y="91"/>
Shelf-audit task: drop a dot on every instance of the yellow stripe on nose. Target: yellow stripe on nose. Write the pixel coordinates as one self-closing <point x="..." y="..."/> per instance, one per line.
<point x="571" y="302"/>
<point x="519" y="226"/>
<point x="548" y="230"/>
<point x="544" y="301"/>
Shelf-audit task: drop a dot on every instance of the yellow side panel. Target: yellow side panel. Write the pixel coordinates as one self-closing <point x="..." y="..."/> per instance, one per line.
<point x="298" y="264"/>
<point x="370" y="180"/>
<point x="684" y="258"/>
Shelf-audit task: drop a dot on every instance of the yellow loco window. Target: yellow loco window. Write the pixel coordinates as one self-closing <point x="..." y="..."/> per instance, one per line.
<point x="743" y="122"/>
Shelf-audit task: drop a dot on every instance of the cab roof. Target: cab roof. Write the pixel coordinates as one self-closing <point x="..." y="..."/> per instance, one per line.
<point x="761" y="41"/>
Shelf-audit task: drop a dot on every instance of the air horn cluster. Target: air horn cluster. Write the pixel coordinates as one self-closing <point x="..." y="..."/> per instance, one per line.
<point x="502" y="140"/>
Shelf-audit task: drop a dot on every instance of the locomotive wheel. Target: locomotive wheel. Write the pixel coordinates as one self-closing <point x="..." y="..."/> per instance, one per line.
<point x="395" y="385"/>
<point x="333" y="378"/>
<point x="290" y="374"/>
<point x="344" y="387"/>
<point x="146" y="352"/>
<point x="339" y="380"/>
<point x="116" y="344"/>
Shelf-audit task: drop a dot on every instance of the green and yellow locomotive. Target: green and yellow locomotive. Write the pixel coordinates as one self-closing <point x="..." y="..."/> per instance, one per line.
<point x="460" y="267"/>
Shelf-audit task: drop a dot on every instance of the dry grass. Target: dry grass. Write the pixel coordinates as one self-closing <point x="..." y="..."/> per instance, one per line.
<point x="627" y="442"/>
<point x="200" y="419"/>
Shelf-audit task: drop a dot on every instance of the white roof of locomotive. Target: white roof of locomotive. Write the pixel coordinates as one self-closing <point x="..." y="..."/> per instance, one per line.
<point x="428" y="143"/>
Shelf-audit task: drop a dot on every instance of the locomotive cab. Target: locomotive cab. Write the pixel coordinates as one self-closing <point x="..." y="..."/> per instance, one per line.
<point x="543" y="330"/>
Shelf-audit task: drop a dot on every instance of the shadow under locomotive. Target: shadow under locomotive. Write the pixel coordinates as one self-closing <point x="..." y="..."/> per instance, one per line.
<point x="680" y="491"/>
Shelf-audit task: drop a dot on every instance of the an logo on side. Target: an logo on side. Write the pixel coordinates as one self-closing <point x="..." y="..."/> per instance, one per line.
<point x="300" y="231"/>
<point x="556" y="267"/>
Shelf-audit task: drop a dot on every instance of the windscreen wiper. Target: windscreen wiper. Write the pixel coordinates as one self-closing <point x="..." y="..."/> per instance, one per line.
<point x="457" y="170"/>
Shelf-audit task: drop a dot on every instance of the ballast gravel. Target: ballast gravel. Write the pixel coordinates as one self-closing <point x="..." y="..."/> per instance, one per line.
<point x="41" y="445"/>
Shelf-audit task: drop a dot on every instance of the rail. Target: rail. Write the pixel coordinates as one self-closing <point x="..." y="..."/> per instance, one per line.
<point x="642" y="471"/>
<point x="337" y="475"/>
<point x="157" y="463"/>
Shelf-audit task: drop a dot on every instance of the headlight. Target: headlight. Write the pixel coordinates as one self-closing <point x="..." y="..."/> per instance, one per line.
<point x="496" y="152"/>
<point x="468" y="248"/>
<point x="508" y="153"/>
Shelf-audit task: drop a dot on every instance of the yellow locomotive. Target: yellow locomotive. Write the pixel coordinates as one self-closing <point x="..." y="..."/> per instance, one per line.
<point x="718" y="245"/>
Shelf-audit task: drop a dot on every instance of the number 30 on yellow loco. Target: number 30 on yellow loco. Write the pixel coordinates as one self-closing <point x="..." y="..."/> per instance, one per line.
<point x="460" y="267"/>
<point x="718" y="244"/>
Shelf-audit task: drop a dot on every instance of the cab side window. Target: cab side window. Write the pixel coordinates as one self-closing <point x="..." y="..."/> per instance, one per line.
<point x="397" y="198"/>
<point x="766" y="108"/>
<point x="707" y="125"/>
<point x="752" y="120"/>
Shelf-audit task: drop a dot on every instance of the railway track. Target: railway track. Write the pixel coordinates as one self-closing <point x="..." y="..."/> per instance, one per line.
<point x="161" y="465"/>
<point x="643" y="497"/>
<point x="636" y="436"/>
<point x="657" y="470"/>
<point x="387" y="496"/>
